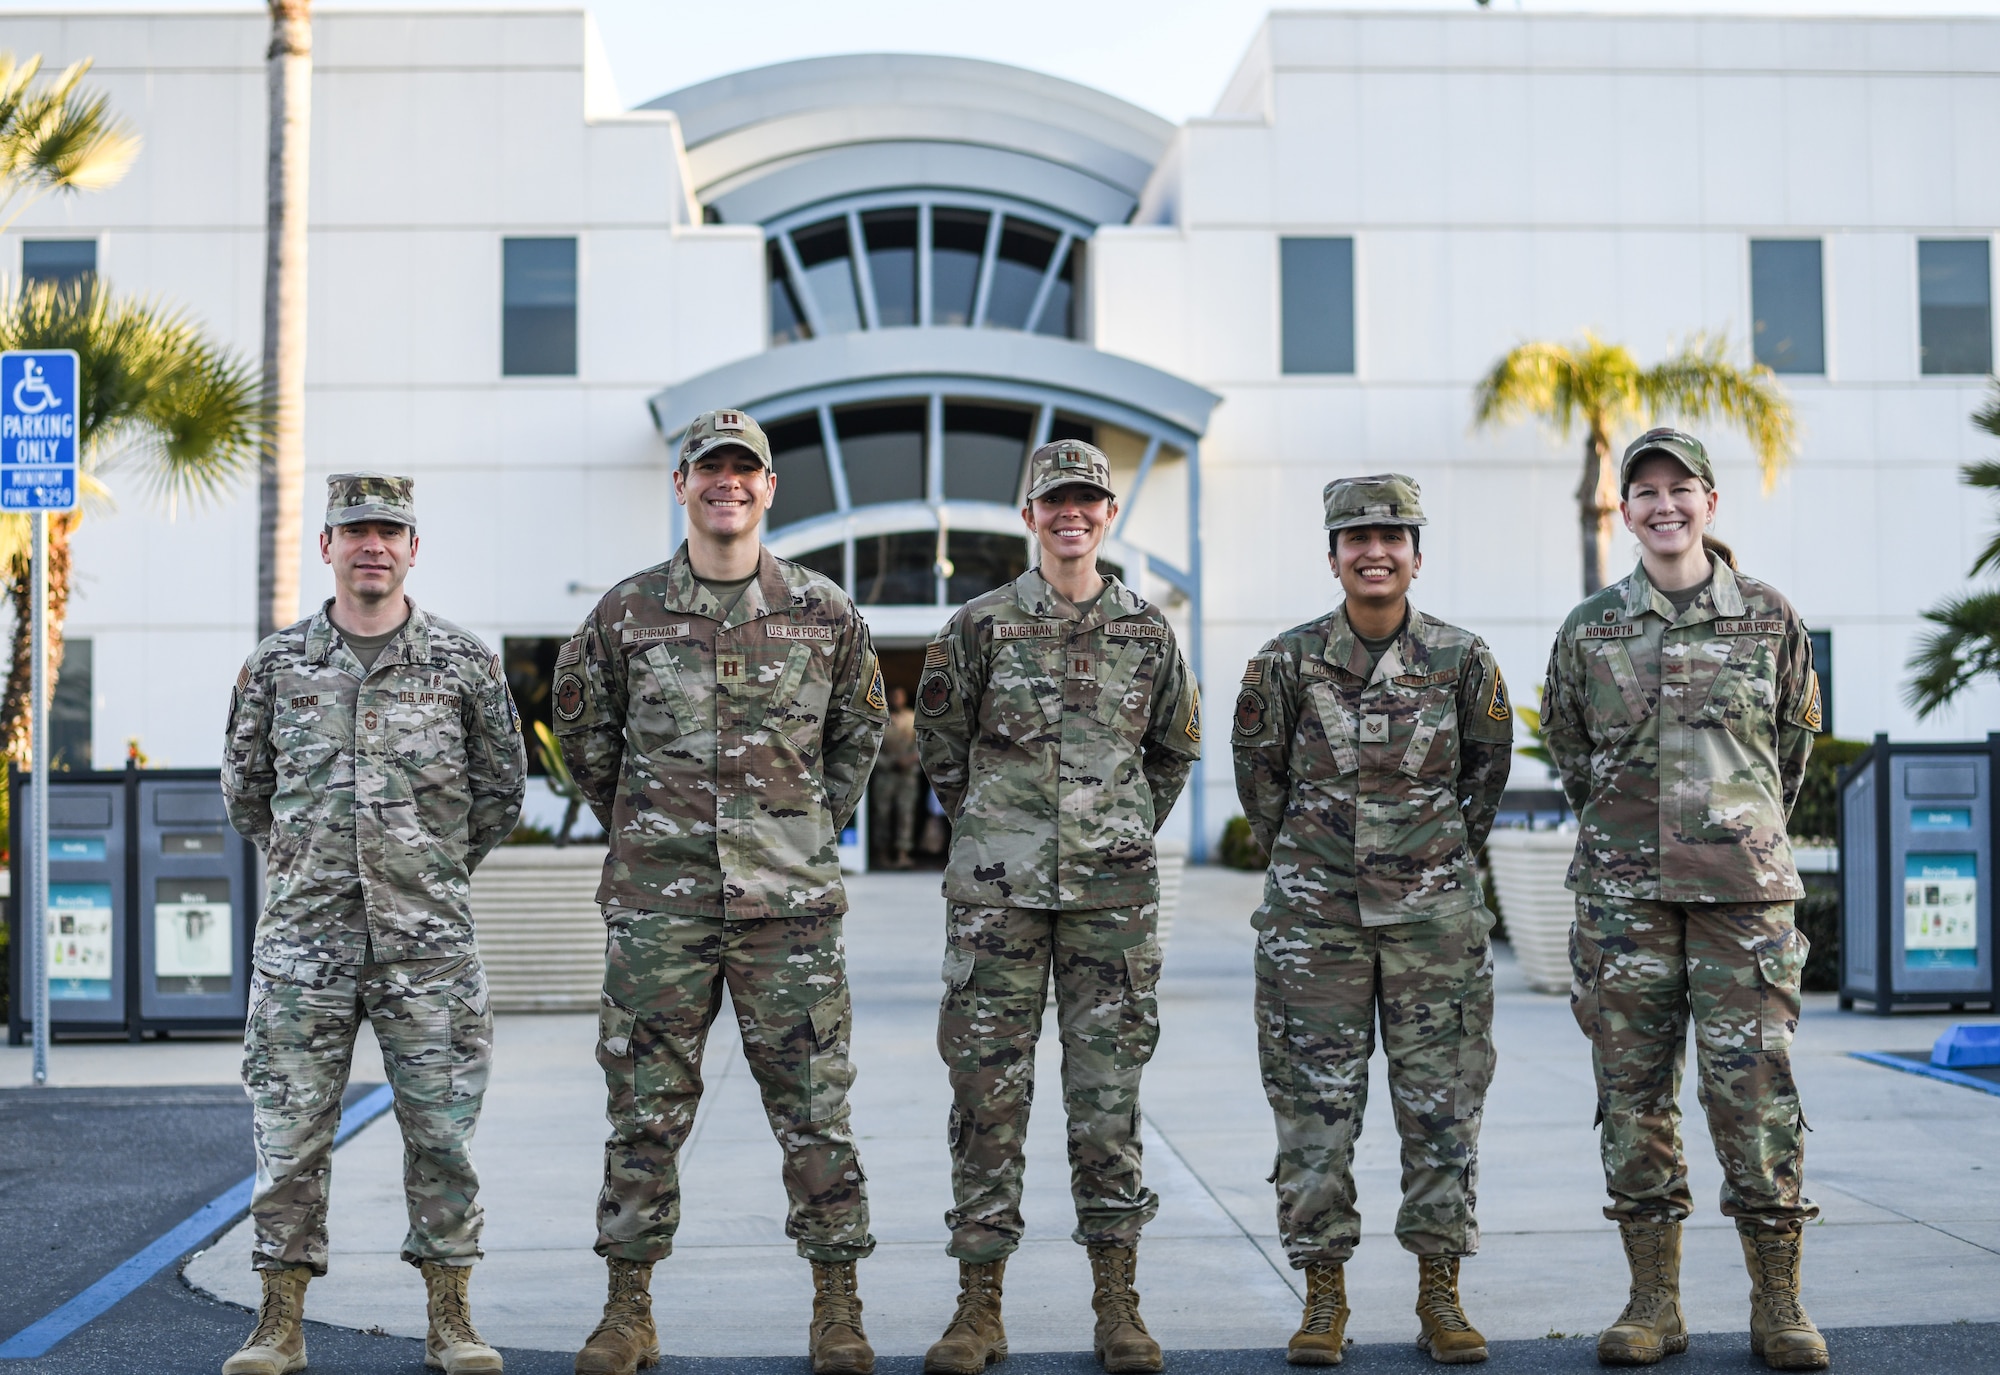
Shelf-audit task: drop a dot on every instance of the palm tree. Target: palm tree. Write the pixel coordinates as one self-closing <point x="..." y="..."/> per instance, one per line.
<point x="154" y="395"/>
<point x="55" y="137"/>
<point x="1966" y="645"/>
<point x="282" y="456"/>
<point x="1603" y="386"/>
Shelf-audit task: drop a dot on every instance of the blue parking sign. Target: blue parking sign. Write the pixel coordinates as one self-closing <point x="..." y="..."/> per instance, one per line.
<point x="38" y="430"/>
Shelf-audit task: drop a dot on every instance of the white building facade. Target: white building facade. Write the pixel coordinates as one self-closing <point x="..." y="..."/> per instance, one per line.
<point x="914" y="269"/>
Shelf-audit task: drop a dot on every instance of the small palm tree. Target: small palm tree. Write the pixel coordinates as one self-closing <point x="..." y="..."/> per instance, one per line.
<point x="560" y="780"/>
<point x="1603" y="386"/>
<point x="1966" y="645"/>
<point x="55" y="137"/>
<point x="154" y="395"/>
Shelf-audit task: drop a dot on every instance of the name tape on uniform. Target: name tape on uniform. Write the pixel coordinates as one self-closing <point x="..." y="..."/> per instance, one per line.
<point x="1610" y="632"/>
<point x="1027" y="632"/>
<point x="799" y="632"/>
<point x="646" y="634"/>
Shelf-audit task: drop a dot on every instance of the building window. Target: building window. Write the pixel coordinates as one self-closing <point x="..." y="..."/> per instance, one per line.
<point x="1822" y="648"/>
<point x="882" y="449"/>
<point x="885" y="263"/>
<point x="538" y="328"/>
<point x="530" y="662"/>
<point x="985" y="450"/>
<point x="1787" y="305"/>
<point x="798" y="461"/>
<point x="62" y="261"/>
<point x="1316" y="303"/>
<point x="1955" y="299"/>
<point x="69" y="713"/>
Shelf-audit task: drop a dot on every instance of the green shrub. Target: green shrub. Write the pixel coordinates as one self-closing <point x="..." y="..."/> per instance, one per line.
<point x="1240" y="849"/>
<point x="1817" y="815"/>
<point x="1818" y="919"/>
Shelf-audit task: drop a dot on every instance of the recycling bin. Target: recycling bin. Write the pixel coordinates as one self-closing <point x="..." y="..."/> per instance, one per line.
<point x="194" y="908"/>
<point x="89" y="945"/>
<point x="1917" y="846"/>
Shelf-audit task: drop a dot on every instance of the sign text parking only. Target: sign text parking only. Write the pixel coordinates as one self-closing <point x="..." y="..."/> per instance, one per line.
<point x="38" y="430"/>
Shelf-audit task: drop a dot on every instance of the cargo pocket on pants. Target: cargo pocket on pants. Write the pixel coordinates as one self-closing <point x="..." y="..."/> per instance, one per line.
<point x="1142" y="980"/>
<point x="1781" y="964"/>
<point x="1586" y="960"/>
<point x="829" y="1073"/>
<point x="471" y="1023"/>
<point x="957" y="1045"/>
<point x="1475" y="1055"/>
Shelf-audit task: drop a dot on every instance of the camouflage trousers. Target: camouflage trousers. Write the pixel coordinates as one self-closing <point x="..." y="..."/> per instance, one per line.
<point x="431" y="1020"/>
<point x="1642" y="971"/>
<point x="1321" y="989"/>
<point x="893" y="797"/>
<point x="664" y="975"/>
<point x="997" y="967"/>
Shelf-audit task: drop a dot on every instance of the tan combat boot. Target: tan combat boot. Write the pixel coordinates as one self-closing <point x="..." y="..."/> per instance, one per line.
<point x="624" y="1338"/>
<point x="1780" y="1331"/>
<point x="277" y="1344"/>
<point x="1652" y="1324"/>
<point x="1445" y="1336"/>
<point x="453" y="1345"/>
<point x="1121" y="1341"/>
<point x="839" y="1346"/>
<point x="975" y="1337"/>
<point x="1322" y="1334"/>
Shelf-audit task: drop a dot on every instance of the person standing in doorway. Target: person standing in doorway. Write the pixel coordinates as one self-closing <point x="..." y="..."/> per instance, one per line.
<point x="374" y="753"/>
<point x="720" y="713"/>
<point x="1681" y="708"/>
<point x="1372" y="746"/>
<point x="1058" y="723"/>
<point x="898" y="785"/>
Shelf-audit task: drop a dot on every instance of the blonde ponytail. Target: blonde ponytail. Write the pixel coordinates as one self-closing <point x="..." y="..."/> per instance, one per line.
<point x="1721" y="551"/>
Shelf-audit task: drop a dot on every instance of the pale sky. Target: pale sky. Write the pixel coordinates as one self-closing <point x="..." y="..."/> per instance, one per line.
<point x="1170" y="56"/>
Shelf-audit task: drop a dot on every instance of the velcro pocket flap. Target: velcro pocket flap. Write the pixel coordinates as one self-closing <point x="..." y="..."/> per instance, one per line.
<point x="1117" y="681"/>
<point x="1428" y="722"/>
<point x="829" y="1019"/>
<point x="1782" y="962"/>
<point x="1338" y="723"/>
<point x="614" y="1031"/>
<point x="1142" y="965"/>
<point x="958" y="965"/>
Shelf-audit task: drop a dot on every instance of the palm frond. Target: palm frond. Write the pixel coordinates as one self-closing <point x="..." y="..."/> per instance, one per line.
<point x="1987" y="417"/>
<point x="1965" y="647"/>
<point x="1987" y="475"/>
<point x="56" y="137"/>
<point x="1560" y="384"/>
<point x="1699" y="381"/>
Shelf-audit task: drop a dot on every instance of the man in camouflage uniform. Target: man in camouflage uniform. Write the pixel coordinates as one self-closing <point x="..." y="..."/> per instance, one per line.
<point x="1372" y="746"/>
<point x="1058" y="724"/>
<point x="374" y="753"/>
<point x="897" y="785"/>
<point x="1681" y="714"/>
<point x="720" y="713"/>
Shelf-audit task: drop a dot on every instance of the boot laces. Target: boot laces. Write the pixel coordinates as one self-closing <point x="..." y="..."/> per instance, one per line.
<point x="837" y="1297"/>
<point x="276" y="1311"/>
<point x="1653" y="1283"/>
<point x="1115" y="1299"/>
<point x="453" y="1317"/>
<point x="627" y="1305"/>
<point x="1323" y="1299"/>
<point x="1437" y="1295"/>
<point x="978" y="1296"/>
<point x="1775" y="1280"/>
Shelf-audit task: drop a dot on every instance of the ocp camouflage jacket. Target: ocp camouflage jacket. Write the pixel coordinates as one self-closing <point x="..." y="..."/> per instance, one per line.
<point x="1682" y="741"/>
<point x="1057" y="742"/>
<point x="1370" y="789"/>
<point x="373" y="794"/>
<point x="722" y="756"/>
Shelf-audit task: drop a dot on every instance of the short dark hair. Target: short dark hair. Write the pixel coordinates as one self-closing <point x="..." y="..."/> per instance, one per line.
<point x="1416" y="536"/>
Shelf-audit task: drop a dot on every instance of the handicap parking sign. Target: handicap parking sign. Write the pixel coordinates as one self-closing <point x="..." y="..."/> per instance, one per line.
<point x="38" y="430"/>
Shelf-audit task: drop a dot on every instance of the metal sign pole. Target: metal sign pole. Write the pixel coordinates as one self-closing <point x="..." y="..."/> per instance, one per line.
<point x="38" y="843"/>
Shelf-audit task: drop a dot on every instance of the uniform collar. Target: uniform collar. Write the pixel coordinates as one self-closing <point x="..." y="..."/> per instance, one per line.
<point x="1404" y="655"/>
<point x="324" y="644"/>
<point x="1035" y="596"/>
<point x="767" y="594"/>
<point x="1722" y="598"/>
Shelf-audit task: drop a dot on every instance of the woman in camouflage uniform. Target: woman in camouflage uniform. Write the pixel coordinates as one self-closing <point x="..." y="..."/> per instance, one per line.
<point x="1681" y="707"/>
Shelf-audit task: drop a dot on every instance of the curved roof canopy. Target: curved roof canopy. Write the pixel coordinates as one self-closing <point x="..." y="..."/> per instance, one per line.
<point x="775" y="138"/>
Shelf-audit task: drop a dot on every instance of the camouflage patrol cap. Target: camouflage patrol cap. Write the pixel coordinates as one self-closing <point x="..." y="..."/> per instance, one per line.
<point x="354" y="497"/>
<point x="713" y="429"/>
<point x="1385" y="499"/>
<point x="1066" y="463"/>
<point x="1678" y="445"/>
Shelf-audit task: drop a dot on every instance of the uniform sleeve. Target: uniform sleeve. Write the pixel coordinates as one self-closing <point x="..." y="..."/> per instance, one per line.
<point x="1486" y="742"/>
<point x="1173" y="737"/>
<point x="496" y="761"/>
<point x="1565" y="730"/>
<point x="249" y="765"/>
<point x="1260" y="738"/>
<point x="589" y="710"/>
<point x="1799" y="711"/>
<point x="859" y="714"/>
<point x="952" y="681"/>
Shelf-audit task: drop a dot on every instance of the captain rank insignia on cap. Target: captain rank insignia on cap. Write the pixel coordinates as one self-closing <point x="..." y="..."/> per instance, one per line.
<point x="729" y="422"/>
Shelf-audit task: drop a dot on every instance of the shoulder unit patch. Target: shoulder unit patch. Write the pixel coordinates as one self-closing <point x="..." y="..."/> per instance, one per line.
<point x="934" y="695"/>
<point x="1250" y="707"/>
<point x="1497" y="708"/>
<point x="876" y="697"/>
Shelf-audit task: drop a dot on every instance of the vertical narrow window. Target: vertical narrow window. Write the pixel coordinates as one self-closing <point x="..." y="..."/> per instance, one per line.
<point x="1822" y="648"/>
<point x="1316" y="304"/>
<point x="1025" y="250"/>
<point x="984" y="448"/>
<point x="1787" y="307"/>
<point x="882" y="449"/>
<point x="958" y="242"/>
<point x="798" y="460"/>
<point x="892" y="264"/>
<point x="896" y="569"/>
<point x="1059" y="311"/>
<point x="69" y="713"/>
<point x="982" y="562"/>
<point x="530" y="664"/>
<point x="538" y="325"/>
<point x="788" y="322"/>
<point x="1955" y="301"/>
<point x="62" y="261"/>
<point x="828" y="262"/>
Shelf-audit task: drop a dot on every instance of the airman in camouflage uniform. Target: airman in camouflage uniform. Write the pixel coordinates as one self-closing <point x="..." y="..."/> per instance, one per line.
<point x="1681" y="722"/>
<point x="723" y="747"/>
<point x="375" y="776"/>
<point x="1057" y="738"/>
<point x="1371" y="772"/>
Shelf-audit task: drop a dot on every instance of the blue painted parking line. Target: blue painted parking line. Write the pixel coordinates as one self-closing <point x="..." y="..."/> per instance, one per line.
<point x="37" y="1337"/>
<point x="1928" y="1071"/>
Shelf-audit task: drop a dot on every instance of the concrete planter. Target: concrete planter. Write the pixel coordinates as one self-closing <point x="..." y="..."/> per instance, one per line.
<point x="1173" y="867"/>
<point x="540" y="930"/>
<point x="1528" y="871"/>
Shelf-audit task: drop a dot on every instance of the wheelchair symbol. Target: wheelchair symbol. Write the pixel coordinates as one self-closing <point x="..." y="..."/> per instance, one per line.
<point x="33" y="383"/>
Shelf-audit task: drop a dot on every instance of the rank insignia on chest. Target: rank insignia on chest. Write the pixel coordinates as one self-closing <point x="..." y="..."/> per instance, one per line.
<point x="1080" y="666"/>
<point x="370" y="720"/>
<point x="1249" y="712"/>
<point x="729" y="668"/>
<point x="1375" y="728"/>
<point x="1497" y="708"/>
<point x="569" y="696"/>
<point x="934" y="696"/>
